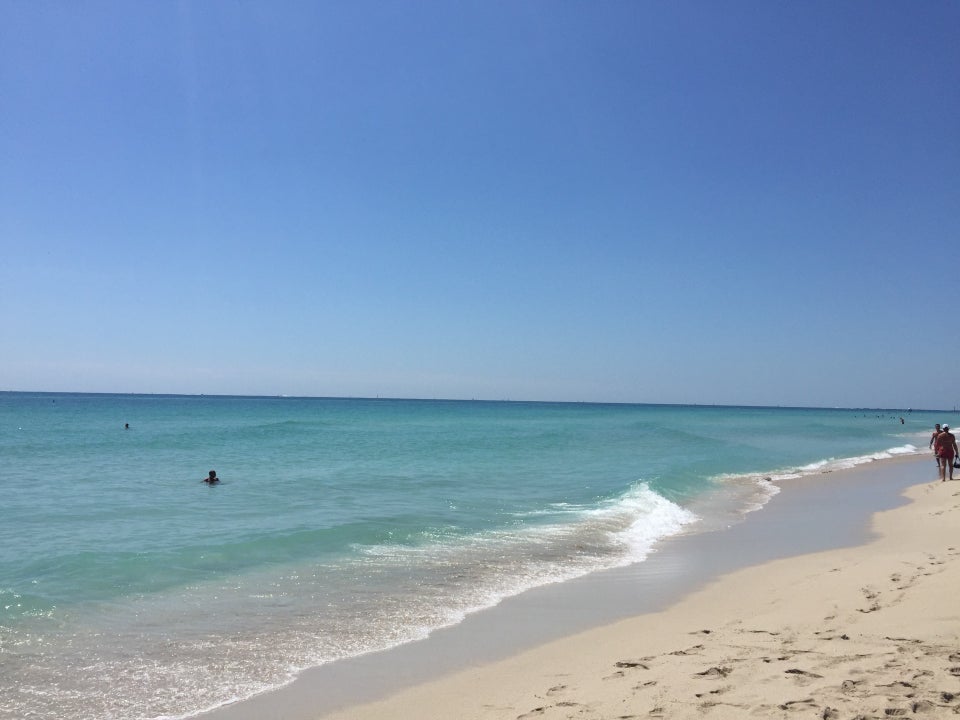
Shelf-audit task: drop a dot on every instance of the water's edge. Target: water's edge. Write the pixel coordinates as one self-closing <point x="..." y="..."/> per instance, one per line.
<point x="811" y="514"/>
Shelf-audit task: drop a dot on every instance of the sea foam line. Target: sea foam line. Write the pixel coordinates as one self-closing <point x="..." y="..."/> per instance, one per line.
<point x="766" y="483"/>
<point x="829" y="465"/>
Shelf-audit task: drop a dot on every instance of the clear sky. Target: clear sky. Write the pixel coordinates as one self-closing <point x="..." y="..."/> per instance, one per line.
<point x="692" y="202"/>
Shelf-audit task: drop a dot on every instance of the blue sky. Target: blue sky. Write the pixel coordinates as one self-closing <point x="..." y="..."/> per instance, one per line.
<point x="692" y="202"/>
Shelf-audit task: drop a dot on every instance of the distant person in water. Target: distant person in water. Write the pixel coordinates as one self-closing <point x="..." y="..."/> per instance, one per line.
<point x="126" y="426"/>
<point x="946" y="447"/>
<point x="936" y="431"/>
<point x="212" y="478"/>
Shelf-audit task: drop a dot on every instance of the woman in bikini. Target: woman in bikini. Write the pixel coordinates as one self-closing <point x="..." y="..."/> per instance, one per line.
<point x="946" y="447"/>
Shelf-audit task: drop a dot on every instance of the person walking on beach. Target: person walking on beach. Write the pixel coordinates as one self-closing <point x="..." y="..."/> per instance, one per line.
<point x="946" y="447"/>
<point x="936" y="431"/>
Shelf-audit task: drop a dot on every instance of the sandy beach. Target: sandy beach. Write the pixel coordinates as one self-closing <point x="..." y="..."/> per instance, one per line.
<point x="869" y="631"/>
<point x="859" y="620"/>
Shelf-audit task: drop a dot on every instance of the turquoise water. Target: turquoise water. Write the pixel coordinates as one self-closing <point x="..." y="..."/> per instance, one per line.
<point x="130" y="589"/>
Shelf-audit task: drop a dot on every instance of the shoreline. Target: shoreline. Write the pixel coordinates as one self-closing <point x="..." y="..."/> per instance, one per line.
<point x="544" y="620"/>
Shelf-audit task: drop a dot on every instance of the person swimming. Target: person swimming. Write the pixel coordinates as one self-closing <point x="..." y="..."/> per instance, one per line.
<point x="212" y="478"/>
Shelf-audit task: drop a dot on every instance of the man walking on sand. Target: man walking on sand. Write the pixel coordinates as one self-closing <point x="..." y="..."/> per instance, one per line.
<point x="945" y="446"/>
<point x="936" y="431"/>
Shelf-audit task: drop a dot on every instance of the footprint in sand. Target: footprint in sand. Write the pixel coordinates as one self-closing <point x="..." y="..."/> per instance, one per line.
<point x="899" y="684"/>
<point x="631" y="664"/>
<point x="850" y="686"/>
<point x="913" y="641"/>
<point x="900" y="583"/>
<point x="870" y="594"/>
<point x="688" y="651"/>
<point x="533" y="713"/>
<point x="804" y="704"/>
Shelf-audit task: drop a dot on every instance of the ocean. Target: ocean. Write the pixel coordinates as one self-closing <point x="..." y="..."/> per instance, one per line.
<point x="131" y="589"/>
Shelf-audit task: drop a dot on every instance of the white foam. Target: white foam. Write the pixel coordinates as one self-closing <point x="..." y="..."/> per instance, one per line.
<point x="767" y="482"/>
<point x="616" y="532"/>
<point x="649" y="517"/>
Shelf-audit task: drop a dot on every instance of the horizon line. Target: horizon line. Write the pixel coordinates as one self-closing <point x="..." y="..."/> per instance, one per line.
<point x="281" y="396"/>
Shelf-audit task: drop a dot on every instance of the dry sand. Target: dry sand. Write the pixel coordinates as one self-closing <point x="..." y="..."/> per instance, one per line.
<point x="863" y="632"/>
